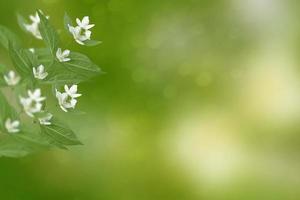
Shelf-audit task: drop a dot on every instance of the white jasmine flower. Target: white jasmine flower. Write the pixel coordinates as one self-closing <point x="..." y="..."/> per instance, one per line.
<point x="84" y="24"/>
<point x="64" y="101"/>
<point x="62" y="56"/>
<point x="12" y="126"/>
<point x="67" y="99"/>
<point x="72" y="91"/>
<point x="46" y="119"/>
<point x="11" y="78"/>
<point x="79" y="34"/>
<point x="32" y="104"/>
<point x="39" y="72"/>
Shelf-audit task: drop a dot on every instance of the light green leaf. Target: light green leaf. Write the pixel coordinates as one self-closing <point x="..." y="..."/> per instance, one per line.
<point x="59" y="134"/>
<point x="3" y="71"/>
<point x="82" y="65"/>
<point x="22" y="21"/>
<point x="2" y="81"/>
<point x="91" y="43"/>
<point x="48" y="33"/>
<point x="59" y="75"/>
<point x="21" y="144"/>
<point x="7" y="37"/>
<point x="67" y="21"/>
<point x="23" y="60"/>
<point x="79" y="69"/>
<point x="6" y="111"/>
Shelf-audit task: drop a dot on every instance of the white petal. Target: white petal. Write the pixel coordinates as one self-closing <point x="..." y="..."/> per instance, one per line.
<point x="73" y="89"/>
<point x="73" y="103"/>
<point x="85" y="20"/>
<point x="66" y="88"/>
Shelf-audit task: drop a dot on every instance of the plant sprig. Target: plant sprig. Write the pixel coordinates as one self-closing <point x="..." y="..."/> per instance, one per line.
<point x="32" y="68"/>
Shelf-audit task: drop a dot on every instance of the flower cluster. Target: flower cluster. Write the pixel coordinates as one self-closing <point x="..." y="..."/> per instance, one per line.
<point x="81" y="32"/>
<point x="35" y="69"/>
<point x="33" y="103"/>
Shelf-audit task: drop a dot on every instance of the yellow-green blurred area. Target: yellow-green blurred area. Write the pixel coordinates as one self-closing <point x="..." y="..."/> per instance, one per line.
<point x="200" y="100"/>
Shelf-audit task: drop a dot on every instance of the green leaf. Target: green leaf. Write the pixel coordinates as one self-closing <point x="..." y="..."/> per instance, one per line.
<point x="67" y="21"/>
<point x="44" y="56"/>
<point x="48" y="33"/>
<point x="60" y="75"/>
<point x="65" y="78"/>
<point x="91" y="43"/>
<point x="82" y="65"/>
<point x="22" y="21"/>
<point x="79" y="69"/>
<point x="21" y="144"/>
<point x="23" y="60"/>
<point x="8" y="37"/>
<point x="6" y="111"/>
<point x="2" y="81"/>
<point x="59" y="134"/>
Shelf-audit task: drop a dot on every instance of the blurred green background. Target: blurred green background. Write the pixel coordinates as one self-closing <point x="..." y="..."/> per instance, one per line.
<point x="200" y="100"/>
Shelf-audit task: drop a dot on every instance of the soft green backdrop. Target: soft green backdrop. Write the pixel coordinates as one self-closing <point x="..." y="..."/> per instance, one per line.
<point x="200" y="100"/>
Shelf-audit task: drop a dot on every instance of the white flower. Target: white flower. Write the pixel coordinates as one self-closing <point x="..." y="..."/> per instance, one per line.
<point x="46" y="119"/>
<point x="84" y="24"/>
<point x="34" y="30"/>
<point x="36" y="95"/>
<point x="11" y="78"/>
<point x="12" y="126"/>
<point x="67" y="99"/>
<point x="39" y="72"/>
<point x="34" y="27"/>
<point x="32" y="104"/>
<point x="72" y="91"/>
<point x="62" y="56"/>
<point x="80" y="35"/>
<point x="30" y="107"/>
<point x="64" y="101"/>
